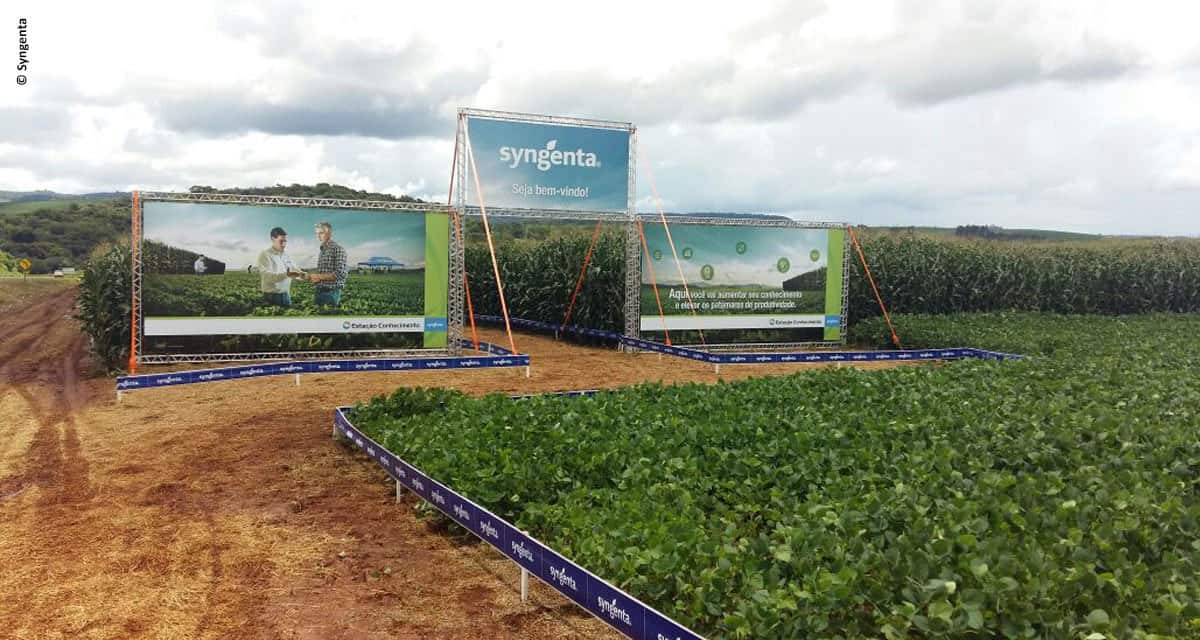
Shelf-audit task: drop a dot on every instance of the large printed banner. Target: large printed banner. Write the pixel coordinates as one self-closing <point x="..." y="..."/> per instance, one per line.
<point x="530" y="165"/>
<point x="214" y="269"/>
<point x="743" y="277"/>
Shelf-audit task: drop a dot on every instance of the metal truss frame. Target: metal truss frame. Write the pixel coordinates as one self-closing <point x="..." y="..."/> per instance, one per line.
<point x="846" y="258"/>
<point x="772" y="347"/>
<point x="453" y="331"/>
<point x="455" y="315"/>
<point x="456" y="292"/>
<point x="736" y="221"/>
<point x="286" y="355"/>
<point x="292" y="201"/>
<point x="537" y="118"/>
<point x="633" y="251"/>
<point x="136" y="282"/>
<point x="628" y="217"/>
<point x="547" y="214"/>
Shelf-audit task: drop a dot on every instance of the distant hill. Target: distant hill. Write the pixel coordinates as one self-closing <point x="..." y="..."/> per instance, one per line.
<point x="56" y="230"/>
<point x="45" y="196"/>
<point x="61" y="233"/>
<point x="726" y="214"/>
<point x="993" y="232"/>
<point x="27" y="206"/>
<point x="319" y="190"/>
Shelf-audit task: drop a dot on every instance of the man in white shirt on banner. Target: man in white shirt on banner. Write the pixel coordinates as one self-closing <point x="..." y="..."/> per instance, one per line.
<point x="276" y="270"/>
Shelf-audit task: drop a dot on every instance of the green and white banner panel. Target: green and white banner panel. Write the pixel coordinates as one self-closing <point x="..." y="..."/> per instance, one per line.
<point x="744" y="282"/>
<point x="341" y="278"/>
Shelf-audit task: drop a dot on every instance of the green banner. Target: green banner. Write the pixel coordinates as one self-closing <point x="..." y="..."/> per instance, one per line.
<point x="437" y="271"/>
<point x="833" y="285"/>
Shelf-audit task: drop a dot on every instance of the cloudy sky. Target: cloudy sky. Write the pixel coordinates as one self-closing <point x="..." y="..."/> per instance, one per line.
<point x="1068" y="115"/>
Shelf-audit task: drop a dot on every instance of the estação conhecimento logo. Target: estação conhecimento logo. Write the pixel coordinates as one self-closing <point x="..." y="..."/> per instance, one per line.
<point x="543" y="159"/>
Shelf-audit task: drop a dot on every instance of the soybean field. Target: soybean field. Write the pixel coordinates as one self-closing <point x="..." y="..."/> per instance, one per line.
<point x="1053" y="497"/>
<point x="238" y="294"/>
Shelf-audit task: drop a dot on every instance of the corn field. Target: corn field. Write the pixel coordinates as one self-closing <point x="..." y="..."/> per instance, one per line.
<point x="540" y="277"/>
<point x="920" y="274"/>
<point x="916" y="274"/>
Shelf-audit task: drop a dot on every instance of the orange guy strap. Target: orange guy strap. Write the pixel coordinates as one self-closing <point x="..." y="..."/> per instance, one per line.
<point x="679" y="267"/>
<point x="887" y="318"/>
<point x="458" y="234"/>
<point x="587" y="259"/>
<point x="491" y="247"/>
<point x="653" y="282"/>
<point x="133" y="301"/>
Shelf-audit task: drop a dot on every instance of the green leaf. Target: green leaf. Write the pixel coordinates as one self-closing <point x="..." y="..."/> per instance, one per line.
<point x="941" y="610"/>
<point x="1097" y="619"/>
<point x="974" y="617"/>
<point x="782" y="553"/>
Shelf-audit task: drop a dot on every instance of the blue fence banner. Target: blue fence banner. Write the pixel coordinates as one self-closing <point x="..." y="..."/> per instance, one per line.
<point x="564" y="576"/>
<point x="957" y="353"/>
<point x="487" y="347"/>
<point x="551" y="328"/>
<point x="620" y="611"/>
<point x="502" y="358"/>
<point x="557" y="394"/>
<point x="611" y="605"/>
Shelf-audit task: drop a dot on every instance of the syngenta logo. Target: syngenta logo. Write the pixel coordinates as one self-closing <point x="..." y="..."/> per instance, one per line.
<point x="548" y="157"/>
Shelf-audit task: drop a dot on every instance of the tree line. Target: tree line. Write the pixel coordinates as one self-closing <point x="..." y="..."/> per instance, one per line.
<point x="319" y="190"/>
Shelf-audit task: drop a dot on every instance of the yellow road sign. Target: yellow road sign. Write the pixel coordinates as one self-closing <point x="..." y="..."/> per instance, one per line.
<point x="24" y="264"/>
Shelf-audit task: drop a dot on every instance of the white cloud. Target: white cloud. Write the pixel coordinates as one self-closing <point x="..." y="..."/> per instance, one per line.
<point x="1075" y="114"/>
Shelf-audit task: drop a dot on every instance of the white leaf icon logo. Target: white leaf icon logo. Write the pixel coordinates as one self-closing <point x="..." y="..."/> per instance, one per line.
<point x="550" y="145"/>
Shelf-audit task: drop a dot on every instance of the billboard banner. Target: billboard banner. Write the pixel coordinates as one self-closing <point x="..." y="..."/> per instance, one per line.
<point x="217" y="269"/>
<point x="536" y="165"/>
<point x="745" y="277"/>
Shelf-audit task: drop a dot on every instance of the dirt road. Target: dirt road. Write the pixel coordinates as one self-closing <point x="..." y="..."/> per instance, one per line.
<point x="225" y="510"/>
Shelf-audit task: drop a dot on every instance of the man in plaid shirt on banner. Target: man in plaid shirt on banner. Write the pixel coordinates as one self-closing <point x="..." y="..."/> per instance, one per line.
<point x="330" y="276"/>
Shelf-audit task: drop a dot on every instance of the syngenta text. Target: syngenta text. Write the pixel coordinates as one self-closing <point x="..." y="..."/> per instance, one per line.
<point x="22" y="49"/>
<point x="548" y="157"/>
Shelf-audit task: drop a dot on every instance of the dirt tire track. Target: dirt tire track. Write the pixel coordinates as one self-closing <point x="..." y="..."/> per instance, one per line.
<point x="75" y="486"/>
<point x="43" y="372"/>
<point x="30" y="319"/>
